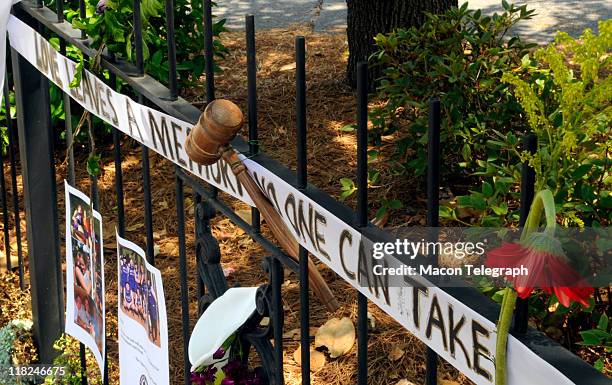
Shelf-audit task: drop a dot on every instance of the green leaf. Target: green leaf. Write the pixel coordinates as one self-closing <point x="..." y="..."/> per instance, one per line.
<point x="466" y="152"/>
<point x="373" y="177"/>
<point x="525" y="61"/>
<point x="464" y="201"/>
<point x="599" y="364"/>
<point x="502" y="209"/>
<point x="348" y="128"/>
<point x="346" y="194"/>
<point x="447" y="212"/>
<point x="498" y="296"/>
<point x="603" y="323"/>
<point x="78" y="24"/>
<point x="487" y="189"/>
<point x="582" y="170"/>
<point x="381" y="212"/>
<point x="593" y="337"/>
<point x="93" y="165"/>
<point x="505" y="5"/>
<point x="347" y="183"/>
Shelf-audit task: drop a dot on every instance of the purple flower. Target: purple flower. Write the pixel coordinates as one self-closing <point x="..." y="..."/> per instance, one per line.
<point x="209" y="373"/>
<point x="207" y="376"/>
<point x="219" y="354"/>
<point x="235" y="369"/>
<point x="101" y="7"/>
<point x="227" y="381"/>
<point x="197" y="379"/>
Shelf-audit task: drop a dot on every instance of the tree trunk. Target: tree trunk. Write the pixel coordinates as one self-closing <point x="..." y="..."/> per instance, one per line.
<point x="367" y="18"/>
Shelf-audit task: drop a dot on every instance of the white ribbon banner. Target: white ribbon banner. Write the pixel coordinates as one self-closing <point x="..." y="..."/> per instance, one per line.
<point x="457" y="333"/>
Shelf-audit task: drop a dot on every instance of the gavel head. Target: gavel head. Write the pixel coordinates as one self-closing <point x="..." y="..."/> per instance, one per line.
<point x="217" y="126"/>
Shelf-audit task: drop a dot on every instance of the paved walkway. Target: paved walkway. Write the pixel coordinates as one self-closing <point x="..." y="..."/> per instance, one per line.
<point x="319" y="14"/>
<point x="571" y="16"/>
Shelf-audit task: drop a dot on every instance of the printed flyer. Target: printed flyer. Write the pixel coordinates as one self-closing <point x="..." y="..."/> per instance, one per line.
<point x="84" y="273"/>
<point x="143" y="327"/>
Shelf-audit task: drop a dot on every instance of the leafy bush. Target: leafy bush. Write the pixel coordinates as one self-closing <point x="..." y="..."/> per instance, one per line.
<point x="109" y="25"/>
<point x="572" y="117"/>
<point x="493" y="91"/>
<point x="16" y="348"/>
<point x="459" y="56"/>
<point x="112" y="27"/>
<point x="69" y="358"/>
<point x="4" y="135"/>
<point x="599" y="336"/>
<point x="569" y="108"/>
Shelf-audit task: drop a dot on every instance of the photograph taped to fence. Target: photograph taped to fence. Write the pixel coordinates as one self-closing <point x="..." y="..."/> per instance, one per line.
<point x="85" y="306"/>
<point x="143" y="327"/>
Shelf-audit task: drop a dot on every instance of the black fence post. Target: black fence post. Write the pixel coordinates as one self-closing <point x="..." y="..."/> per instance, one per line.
<point x="530" y="141"/>
<point x="302" y="182"/>
<point x="362" y="213"/>
<point x="180" y="218"/>
<point x="433" y="206"/>
<point x="40" y="199"/>
<point x="5" y="216"/>
<point x="12" y="159"/>
<point x="209" y="63"/>
<point x="252" y="102"/>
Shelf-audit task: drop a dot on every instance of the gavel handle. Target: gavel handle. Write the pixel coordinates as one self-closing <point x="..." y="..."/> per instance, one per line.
<point x="278" y="228"/>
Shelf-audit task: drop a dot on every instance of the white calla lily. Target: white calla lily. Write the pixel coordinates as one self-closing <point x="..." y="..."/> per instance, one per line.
<point x="222" y="318"/>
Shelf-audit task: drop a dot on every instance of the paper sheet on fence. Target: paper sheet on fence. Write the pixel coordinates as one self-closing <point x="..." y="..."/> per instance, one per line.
<point x="85" y="308"/>
<point x="142" y="322"/>
<point x="457" y="333"/>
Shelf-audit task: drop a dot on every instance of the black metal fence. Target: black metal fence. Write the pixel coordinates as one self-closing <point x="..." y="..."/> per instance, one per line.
<point x="37" y="167"/>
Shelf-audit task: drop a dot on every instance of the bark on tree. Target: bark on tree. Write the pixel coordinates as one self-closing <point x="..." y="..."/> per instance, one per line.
<point x="367" y="18"/>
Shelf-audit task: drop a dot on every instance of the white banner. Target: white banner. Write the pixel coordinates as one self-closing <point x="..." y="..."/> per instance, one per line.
<point x="143" y="326"/>
<point x="456" y="332"/>
<point x="85" y="308"/>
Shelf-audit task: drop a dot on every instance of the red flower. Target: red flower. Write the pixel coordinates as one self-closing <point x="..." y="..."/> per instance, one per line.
<point x="548" y="269"/>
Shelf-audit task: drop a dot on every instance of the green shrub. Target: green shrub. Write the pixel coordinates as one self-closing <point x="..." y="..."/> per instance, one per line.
<point x="114" y="30"/>
<point x="566" y="93"/>
<point x="4" y="134"/>
<point x="493" y="91"/>
<point x="599" y="336"/>
<point x="69" y="358"/>
<point x="16" y="348"/>
<point x="458" y="56"/>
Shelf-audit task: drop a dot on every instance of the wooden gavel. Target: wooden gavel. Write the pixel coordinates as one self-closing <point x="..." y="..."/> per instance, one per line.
<point x="208" y="141"/>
